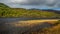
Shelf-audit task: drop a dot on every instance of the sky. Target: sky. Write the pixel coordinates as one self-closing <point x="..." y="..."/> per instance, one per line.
<point x="28" y="4"/>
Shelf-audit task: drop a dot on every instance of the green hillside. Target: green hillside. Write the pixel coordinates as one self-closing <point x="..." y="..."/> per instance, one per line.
<point x="3" y="5"/>
<point x="6" y="11"/>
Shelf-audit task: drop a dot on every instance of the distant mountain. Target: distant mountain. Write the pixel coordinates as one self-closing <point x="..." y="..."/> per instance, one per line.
<point x="49" y="10"/>
<point x="33" y="9"/>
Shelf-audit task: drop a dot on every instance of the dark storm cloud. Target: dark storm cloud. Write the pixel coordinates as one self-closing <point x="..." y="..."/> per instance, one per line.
<point x="33" y="2"/>
<point x="39" y="2"/>
<point x="49" y="3"/>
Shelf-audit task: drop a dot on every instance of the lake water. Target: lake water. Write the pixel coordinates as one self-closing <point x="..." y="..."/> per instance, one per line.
<point x="18" y="19"/>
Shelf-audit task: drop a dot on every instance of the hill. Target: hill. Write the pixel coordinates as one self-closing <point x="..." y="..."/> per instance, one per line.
<point x="6" y="11"/>
<point x="3" y="5"/>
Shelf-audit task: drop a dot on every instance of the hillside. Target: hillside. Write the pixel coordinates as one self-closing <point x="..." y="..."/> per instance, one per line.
<point x="6" y="11"/>
<point x="3" y="5"/>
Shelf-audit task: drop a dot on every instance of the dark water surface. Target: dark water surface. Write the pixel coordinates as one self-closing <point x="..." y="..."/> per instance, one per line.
<point x="16" y="19"/>
<point x="20" y="19"/>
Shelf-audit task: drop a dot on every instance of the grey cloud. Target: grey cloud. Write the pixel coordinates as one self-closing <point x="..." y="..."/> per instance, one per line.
<point x="40" y="2"/>
<point x="49" y="3"/>
<point x="5" y="1"/>
<point x="32" y="2"/>
<point x="53" y="4"/>
<point x="58" y="5"/>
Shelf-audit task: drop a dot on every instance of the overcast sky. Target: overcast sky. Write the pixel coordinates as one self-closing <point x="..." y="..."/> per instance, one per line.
<point x="41" y="4"/>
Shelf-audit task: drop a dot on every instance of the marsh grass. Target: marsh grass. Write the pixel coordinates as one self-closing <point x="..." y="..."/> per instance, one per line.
<point x="32" y="27"/>
<point x="52" y="30"/>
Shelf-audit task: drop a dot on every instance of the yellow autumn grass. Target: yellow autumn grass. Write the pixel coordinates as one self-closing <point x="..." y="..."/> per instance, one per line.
<point x="55" y="27"/>
<point x="32" y="22"/>
<point x="53" y="30"/>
